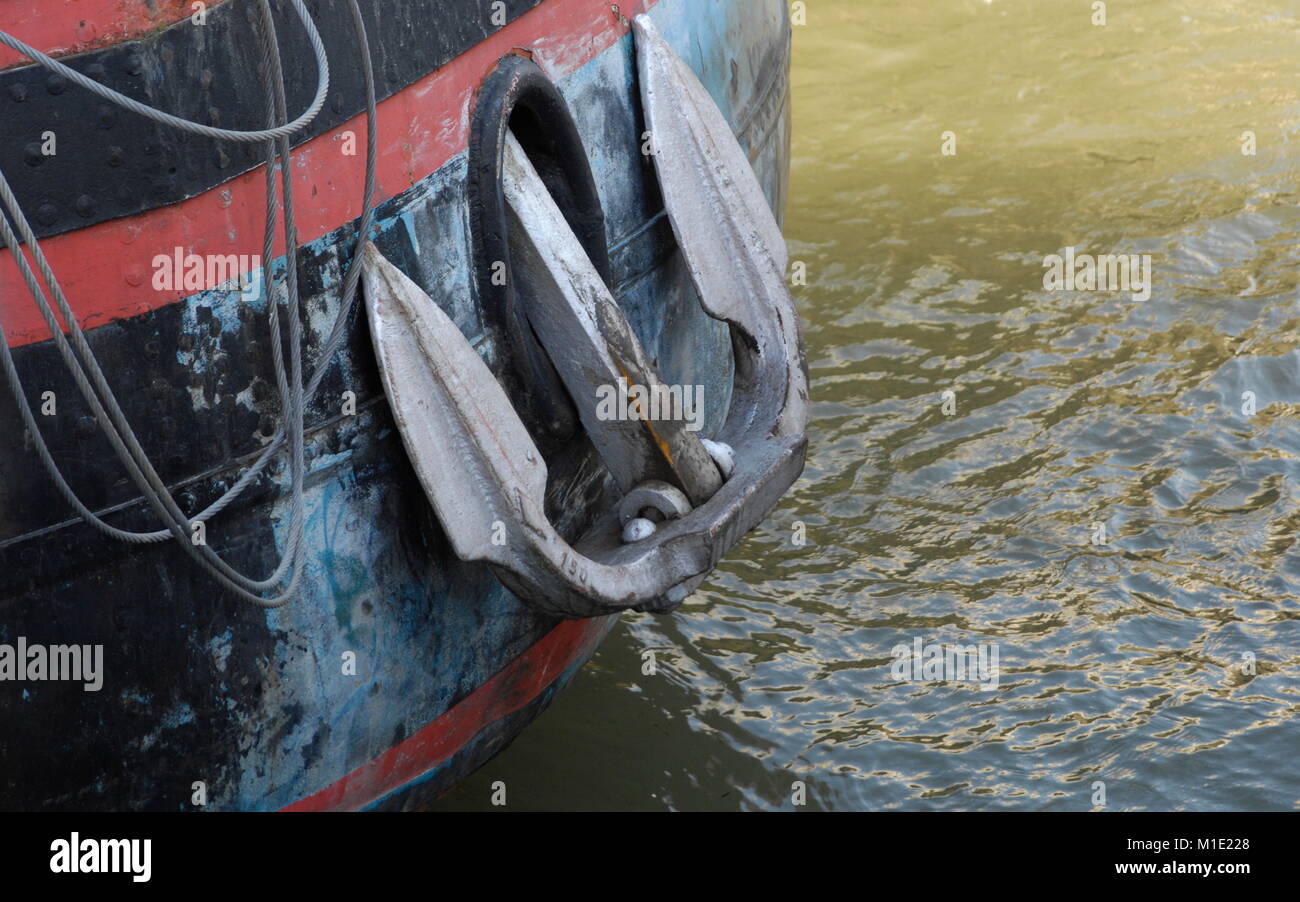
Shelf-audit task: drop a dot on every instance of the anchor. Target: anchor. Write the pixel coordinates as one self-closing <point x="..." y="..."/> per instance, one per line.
<point x="686" y="501"/>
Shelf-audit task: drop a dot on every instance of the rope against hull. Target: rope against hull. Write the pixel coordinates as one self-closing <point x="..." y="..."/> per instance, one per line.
<point x="294" y="398"/>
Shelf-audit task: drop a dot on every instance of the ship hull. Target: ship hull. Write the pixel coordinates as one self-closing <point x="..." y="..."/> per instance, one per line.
<point x="398" y="669"/>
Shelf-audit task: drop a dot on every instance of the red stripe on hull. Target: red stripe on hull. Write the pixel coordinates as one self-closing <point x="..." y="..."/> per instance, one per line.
<point x="522" y="681"/>
<point x="81" y="25"/>
<point x="106" y="269"/>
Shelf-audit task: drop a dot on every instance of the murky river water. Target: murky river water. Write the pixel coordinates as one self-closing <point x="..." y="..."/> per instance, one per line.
<point x="1108" y="498"/>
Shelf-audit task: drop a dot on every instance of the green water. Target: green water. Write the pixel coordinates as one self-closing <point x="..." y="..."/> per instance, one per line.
<point x="1122" y="662"/>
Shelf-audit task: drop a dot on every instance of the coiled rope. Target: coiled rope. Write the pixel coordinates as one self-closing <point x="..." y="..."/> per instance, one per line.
<point x="88" y="376"/>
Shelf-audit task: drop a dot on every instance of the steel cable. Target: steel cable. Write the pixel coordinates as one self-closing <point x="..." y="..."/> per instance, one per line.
<point x="224" y="134"/>
<point x="293" y="397"/>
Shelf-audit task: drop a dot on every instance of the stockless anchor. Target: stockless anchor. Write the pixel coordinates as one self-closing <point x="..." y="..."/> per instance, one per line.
<point x="480" y="467"/>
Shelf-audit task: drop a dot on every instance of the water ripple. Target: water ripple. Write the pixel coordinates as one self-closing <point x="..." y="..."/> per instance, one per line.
<point x="1161" y="660"/>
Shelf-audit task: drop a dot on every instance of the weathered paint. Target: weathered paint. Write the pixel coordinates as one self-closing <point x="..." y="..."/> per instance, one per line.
<point x="255" y="703"/>
<point x="417" y="759"/>
<point x="111" y="164"/>
<point x="90" y="23"/>
<point x="106" y="268"/>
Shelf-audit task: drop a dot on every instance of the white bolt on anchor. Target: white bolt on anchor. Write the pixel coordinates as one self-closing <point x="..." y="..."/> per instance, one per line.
<point x="637" y="530"/>
<point x="724" y="456"/>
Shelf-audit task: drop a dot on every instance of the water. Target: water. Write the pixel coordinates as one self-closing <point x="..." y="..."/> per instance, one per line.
<point x="1120" y="663"/>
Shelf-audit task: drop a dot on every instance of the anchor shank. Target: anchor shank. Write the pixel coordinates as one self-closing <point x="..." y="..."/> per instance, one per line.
<point x="592" y="345"/>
